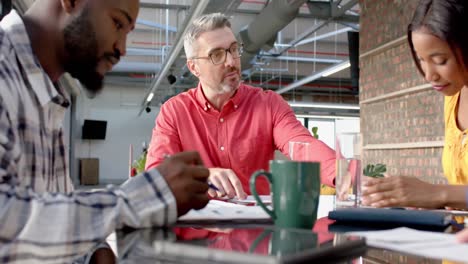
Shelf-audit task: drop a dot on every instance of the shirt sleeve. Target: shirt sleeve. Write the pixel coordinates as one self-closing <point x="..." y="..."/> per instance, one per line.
<point x="73" y="222"/>
<point x="287" y="128"/>
<point x="165" y="138"/>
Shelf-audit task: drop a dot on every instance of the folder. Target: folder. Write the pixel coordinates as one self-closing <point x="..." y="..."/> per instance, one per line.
<point x="389" y="217"/>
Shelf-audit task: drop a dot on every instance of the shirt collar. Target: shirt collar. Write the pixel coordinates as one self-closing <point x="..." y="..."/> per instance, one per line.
<point x="40" y="82"/>
<point x="235" y="100"/>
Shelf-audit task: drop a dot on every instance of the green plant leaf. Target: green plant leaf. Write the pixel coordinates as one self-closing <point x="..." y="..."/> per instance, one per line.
<point x="314" y="132"/>
<point x="139" y="164"/>
<point x="376" y="171"/>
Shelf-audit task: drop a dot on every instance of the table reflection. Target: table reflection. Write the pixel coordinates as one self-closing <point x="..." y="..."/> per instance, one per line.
<point x="254" y="244"/>
<point x="228" y="243"/>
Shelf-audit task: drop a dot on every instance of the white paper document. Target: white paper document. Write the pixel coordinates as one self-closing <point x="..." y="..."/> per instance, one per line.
<point x="266" y="199"/>
<point x="234" y="209"/>
<point x="219" y="211"/>
<point x="421" y="243"/>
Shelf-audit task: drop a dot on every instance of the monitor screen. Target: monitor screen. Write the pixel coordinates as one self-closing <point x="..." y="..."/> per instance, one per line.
<point x="94" y="129"/>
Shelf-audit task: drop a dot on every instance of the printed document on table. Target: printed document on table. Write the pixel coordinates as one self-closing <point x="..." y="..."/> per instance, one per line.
<point x="266" y="199"/>
<point x="326" y="203"/>
<point x="421" y="243"/>
<point x="220" y="210"/>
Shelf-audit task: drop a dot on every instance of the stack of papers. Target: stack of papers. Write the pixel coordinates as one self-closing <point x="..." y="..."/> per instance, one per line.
<point x="421" y="243"/>
<point x="224" y="211"/>
<point x="236" y="209"/>
<point x="326" y="203"/>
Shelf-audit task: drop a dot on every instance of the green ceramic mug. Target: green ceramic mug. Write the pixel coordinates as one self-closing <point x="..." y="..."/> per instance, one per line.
<point x="295" y="187"/>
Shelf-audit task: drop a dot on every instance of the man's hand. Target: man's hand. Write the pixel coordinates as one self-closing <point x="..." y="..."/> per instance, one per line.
<point x="400" y="191"/>
<point x="187" y="178"/>
<point x="227" y="182"/>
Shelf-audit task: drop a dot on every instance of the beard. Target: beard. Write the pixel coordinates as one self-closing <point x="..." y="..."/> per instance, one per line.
<point x="228" y="86"/>
<point x="81" y="47"/>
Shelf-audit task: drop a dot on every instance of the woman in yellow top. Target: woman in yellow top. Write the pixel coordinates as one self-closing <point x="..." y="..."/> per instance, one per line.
<point x="439" y="44"/>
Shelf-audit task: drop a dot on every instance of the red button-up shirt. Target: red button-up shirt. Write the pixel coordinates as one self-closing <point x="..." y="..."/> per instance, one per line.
<point x="242" y="136"/>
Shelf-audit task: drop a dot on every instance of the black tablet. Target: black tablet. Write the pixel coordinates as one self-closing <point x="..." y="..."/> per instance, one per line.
<point x="261" y="244"/>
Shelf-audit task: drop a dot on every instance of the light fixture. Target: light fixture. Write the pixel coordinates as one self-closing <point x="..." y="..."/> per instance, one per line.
<point x="327" y="117"/>
<point x="324" y="73"/>
<point x="336" y="68"/>
<point x="324" y="105"/>
<point x="150" y="97"/>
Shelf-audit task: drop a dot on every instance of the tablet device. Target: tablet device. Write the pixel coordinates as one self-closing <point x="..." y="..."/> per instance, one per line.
<point x="246" y="245"/>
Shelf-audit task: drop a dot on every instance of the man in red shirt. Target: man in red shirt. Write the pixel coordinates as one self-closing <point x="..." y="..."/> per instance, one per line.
<point x="235" y="127"/>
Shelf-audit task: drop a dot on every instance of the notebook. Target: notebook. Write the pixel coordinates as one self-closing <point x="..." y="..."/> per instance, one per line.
<point x="388" y="217"/>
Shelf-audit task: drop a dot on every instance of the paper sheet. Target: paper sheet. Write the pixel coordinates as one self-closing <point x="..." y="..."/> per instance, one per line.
<point x="421" y="243"/>
<point x="326" y="203"/>
<point x="227" y="210"/>
<point x="219" y="211"/>
<point x="266" y="199"/>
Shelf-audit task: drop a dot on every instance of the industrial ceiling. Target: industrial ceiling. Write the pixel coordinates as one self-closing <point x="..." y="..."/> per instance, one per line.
<point x="289" y="46"/>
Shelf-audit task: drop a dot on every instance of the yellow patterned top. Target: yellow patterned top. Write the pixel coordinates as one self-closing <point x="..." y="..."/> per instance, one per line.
<point x="455" y="154"/>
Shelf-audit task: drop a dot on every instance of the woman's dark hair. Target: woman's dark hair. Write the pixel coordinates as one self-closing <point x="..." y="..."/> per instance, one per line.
<point x="445" y="19"/>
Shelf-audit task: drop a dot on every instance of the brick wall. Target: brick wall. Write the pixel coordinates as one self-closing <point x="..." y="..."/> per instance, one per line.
<point x="405" y="130"/>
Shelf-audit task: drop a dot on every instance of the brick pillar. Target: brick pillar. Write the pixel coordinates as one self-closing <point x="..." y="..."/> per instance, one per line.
<point x="401" y="116"/>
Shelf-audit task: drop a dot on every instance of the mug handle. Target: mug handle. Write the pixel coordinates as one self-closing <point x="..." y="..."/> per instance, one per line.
<point x="259" y="239"/>
<point x="253" y="180"/>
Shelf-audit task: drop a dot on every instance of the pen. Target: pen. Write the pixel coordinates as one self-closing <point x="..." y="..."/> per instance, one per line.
<point x="212" y="186"/>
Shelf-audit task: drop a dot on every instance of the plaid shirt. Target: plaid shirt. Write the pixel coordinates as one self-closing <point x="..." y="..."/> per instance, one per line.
<point x="41" y="217"/>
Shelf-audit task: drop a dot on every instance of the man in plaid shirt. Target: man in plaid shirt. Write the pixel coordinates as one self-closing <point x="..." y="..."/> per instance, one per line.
<point x="38" y="206"/>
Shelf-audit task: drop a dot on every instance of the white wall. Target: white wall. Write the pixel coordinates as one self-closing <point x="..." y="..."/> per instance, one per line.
<point x="329" y="128"/>
<point x="119" y="106"/>
<point x="326" y="130"/>
<point x="347" y="126"/>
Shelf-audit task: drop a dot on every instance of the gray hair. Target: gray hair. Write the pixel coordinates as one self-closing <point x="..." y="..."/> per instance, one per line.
<point x="201" y="25"/>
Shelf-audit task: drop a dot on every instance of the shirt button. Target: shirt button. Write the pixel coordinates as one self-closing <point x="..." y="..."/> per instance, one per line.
<point x="221" y="120"/>
<point x="205" y="108"/>
<point x="235" y="106"/>
<point x="222" y="148"/>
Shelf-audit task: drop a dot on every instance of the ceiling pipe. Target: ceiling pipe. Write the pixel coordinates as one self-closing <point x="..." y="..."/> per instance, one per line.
<point x="301" y="59"/>
<point x="323" y="36"/>
<point x="175" y="50"/>
<point x="140" y="67"/>
<point x="263" y="29"/>
<point x="312" y="77"/>
<point x="324" y="105"/>
<point x="144" y="52"/>
<point x="156" y="25"/>
<point x="334" y="13"/>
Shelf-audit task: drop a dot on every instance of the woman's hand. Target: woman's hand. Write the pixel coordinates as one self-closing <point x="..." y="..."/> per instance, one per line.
<point x="401" y="191"/>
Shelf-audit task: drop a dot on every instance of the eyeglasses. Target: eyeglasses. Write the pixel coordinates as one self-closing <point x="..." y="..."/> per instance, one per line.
<point x="219" y="56"/>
